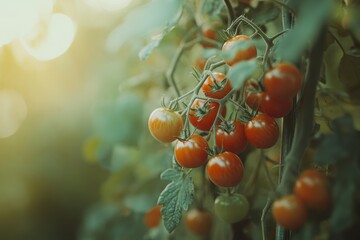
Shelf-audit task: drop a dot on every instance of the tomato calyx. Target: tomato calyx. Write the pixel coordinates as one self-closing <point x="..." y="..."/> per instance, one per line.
<point x="201" y="111"/>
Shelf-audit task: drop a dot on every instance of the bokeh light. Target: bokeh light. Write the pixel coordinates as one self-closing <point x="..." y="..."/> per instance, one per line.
<point x="13" y="111"/>
<point x="52" y="38"/>
<point x="19" y="17"/>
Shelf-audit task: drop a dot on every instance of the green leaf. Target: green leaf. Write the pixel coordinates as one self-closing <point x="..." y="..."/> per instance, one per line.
<point x="144" y="21"/>
<point x="212" y="7"/>
<point x="312" y="16"/>
<point x="176" y="197"/>
<point x="149" y="48"/>
<point x="349" y="74"/>
<point x="241" y="72"/>
<point x="171" y="174"/>
<point x="263" y="14"/>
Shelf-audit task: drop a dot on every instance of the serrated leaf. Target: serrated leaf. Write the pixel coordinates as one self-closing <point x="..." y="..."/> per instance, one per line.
<point x="171" y="174"/>
<point x="241" y="72"/>
<point x="312" y="16"/>
<point x="212" y="7"/>
<point x="176" y="197"/>
<point x="349" y="74"/>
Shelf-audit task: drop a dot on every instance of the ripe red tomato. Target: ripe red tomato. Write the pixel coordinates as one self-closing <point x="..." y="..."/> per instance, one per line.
<point x="199" y="222"/>
<point x="225" y="169"/>
<point x="241" y="54"/>
<point x="289" y="212"/>
<point x="254" y="99"/>
<point x="203" y="114"/>
<point x="262" y="131"/>
<point x="231" y="208"/>
<point x="152" y="217"/>
<point x="313" y="189"/>
<point x="191" y="153"/>
<point x="232" y="139"/>
<point x="218" y="89"/>
<point x="208" y="33"/>
<point x="165" y="125"/>
<point x="283" y="81"/>
<point x="275" y="107"/>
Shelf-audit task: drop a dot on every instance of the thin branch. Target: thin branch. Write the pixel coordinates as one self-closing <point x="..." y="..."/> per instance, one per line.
<point x="231" y="14"/>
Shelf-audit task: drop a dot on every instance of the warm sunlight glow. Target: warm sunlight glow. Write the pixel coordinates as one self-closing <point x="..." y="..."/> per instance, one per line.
<point x="19" y="17"/>
<point x="109" y="5"/>
<point x="13" y="111"/>
<point x="52" y="38"/>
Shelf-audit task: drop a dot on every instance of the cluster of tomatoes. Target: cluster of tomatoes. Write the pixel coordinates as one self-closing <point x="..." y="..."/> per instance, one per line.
<point x="311" y="192"/>
<point x="207" y="112"/>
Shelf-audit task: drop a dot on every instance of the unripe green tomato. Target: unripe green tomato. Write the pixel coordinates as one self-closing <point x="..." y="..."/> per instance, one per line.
<point x="231" y="208"/>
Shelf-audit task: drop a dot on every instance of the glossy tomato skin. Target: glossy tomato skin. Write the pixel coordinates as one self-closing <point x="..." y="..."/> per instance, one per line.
<point x="233" y="141"/>
<point x="289" y="212"/>
<point x="165" y="125"/>
<point x="191" y="153"/>
<point x="205" y="122"/>
<point x="225" y="169"/>
<point x="231" y="208"/>
<point x="153" y="217"/>
<point x="199" y="222"/>
<point x="262" y="131"/>
<point x="283" y="81"/>
<point x="242" y="54"/>
<point x="218" y="88"/>
<point x="275" y="107"/>
<point x="253" y="100"/>
<point x="313" y="189"/>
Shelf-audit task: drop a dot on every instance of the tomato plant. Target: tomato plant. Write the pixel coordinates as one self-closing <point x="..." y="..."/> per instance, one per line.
<point x="231" y="137"/>
<point x="313" y="189"/>
<point x="192" y="152"/>
<point x="199" y="222"/>
<point x="203" y="114"/>
<point x="225" y="169"/>
<point x="262" y="131"/>
<point x="241" y="54"/>
<point x="268" y="67"/>
<point x="165" y="125"/>
<point x="289" y="212"/>
<point x="216" y="86"/>
<point x="231" y="208"/>
<point x="283" y="80"/>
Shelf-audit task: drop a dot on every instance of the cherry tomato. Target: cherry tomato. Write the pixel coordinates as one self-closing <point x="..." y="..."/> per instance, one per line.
<point x="232" y="139"/>
<point x="262" y="131"/>
<point x="283" y="81"/>
<point x="165" y="125"/>
<point x="289" y="212"/>
<point x="218" y="89"/>
<point x="254" y="99"/>
<point x="203" y="114"/>
<point x="191" y="153"/>
<point x="241" y="54"/>
<point x="152" y="217"/>
<point x="313" y="189"/>
<point x="231" y="208"/>
<point x="199" y="222"/>
<point x="275" y="107"/>
<point x="225" y="169"/>
<point x="208" y="33"/>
